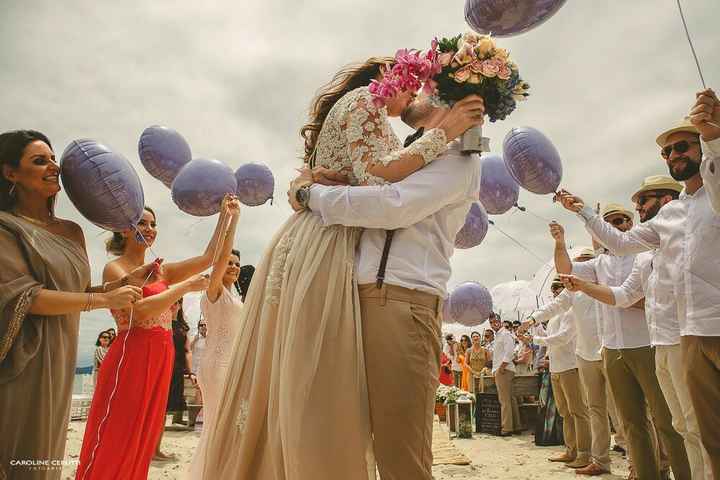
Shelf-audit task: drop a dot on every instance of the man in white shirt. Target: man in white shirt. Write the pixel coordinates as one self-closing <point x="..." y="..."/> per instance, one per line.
<point x="503" y="369"/>
<point x="686" y="234"/>
<point x="584" y="312"/>
<point x="560" y="338"/>
<point x="450" y="349"/>
<point x="627" y="356"/>
<point x="400" y="307"/>
<point x="649" y="279"/>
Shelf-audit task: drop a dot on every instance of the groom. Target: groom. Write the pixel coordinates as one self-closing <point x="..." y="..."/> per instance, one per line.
<point x="402" y="288"/>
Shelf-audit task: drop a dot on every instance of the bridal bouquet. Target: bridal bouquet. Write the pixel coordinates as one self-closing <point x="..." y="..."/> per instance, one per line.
<point x="474" y="64"/>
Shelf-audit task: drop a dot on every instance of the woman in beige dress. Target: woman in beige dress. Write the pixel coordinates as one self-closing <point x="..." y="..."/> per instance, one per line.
<point x="44" y="285"/>
<point x="295" y="403"/>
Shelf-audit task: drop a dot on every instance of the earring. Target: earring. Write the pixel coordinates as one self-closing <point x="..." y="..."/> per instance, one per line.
<point x="11" y="192"/>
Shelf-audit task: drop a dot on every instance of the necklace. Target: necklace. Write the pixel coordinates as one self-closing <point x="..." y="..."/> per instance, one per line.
<point x="36" y="221"/>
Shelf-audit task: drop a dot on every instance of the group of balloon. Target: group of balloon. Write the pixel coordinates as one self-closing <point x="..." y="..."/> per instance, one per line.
<point x="106" y="189"/>
<point x="529" y="159"/>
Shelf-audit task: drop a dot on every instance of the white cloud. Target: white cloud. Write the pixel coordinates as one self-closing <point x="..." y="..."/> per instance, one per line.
<point x="236" y="79"/>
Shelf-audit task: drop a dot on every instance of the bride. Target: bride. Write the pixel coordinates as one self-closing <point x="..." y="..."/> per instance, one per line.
<point x="295" y="403"/>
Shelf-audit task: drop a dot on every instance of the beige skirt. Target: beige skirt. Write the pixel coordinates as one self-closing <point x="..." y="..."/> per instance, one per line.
<point x="294" y="404"/>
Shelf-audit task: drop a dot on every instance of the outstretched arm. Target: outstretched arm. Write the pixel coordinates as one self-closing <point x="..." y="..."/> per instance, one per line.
<point x="232" y="207"/>
<point x="705" y="115"/>
<point x="178" y="271"/>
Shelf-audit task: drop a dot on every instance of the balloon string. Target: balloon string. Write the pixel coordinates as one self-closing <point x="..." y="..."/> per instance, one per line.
<point x="524" y="209"/>
<point x="692" y="47"/>
<point x="141" y="237"/>
<point x="117" y="380"/>
<point x="516" y="242"/>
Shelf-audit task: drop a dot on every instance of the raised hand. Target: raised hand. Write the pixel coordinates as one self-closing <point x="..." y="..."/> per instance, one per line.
<point x="198" y="283"/>
<point x="467" y="113"/>
<point x="573" y="283"/>
<point x="557" y="232"/>
<point x="123" y="297"/>
<point x="569" y="201"/>
<point x="705" y="114"/>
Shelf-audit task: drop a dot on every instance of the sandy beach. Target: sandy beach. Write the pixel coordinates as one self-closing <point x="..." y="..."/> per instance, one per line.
<point x="490" y="457"/>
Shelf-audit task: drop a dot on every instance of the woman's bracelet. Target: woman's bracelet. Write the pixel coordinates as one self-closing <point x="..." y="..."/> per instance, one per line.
<point x="89" y="303"/>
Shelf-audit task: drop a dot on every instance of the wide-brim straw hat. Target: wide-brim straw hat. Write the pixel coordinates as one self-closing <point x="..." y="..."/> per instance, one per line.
<point x="658" y="182"/>
<point x="612" y="208"/>
<point x="683" y="125"/>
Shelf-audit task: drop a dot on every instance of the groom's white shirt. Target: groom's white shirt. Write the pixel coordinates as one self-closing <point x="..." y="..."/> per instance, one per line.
<point x="427" y="208"/>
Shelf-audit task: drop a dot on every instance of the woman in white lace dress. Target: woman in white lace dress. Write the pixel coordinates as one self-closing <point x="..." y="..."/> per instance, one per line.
<point x="221" y="311"/>
<point x="295" y="406"/>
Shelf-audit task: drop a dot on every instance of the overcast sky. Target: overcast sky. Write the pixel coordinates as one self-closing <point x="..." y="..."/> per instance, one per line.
<point x="236" y="79"/>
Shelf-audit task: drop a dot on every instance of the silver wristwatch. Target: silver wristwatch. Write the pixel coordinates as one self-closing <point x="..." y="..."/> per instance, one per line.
<point x="302" y="196"/>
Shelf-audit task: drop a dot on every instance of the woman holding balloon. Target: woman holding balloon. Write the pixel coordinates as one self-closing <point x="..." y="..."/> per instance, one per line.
<point x="45" y="284"/>
<point x="128" y="407"/>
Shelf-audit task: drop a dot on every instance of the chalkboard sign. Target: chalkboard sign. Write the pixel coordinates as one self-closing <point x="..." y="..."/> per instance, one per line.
<point x="487" y="414"/>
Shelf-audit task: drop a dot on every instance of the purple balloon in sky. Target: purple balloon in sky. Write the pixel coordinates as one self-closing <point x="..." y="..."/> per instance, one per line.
<point x="532" y="160"/>
<point x="102" y="185"/>
<point x="201" y="185"/>
<point x="470" y="304"/>
<point x="163" y="152"/>
<point x="499" y="191"/>
<point x="505" y="18"/>
<point x="255" y="184"/>
<point x="475" y="228"/>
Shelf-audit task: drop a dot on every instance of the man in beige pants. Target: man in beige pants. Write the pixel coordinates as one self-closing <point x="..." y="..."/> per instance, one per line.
<point x="503" y="370"/>
<point x="401" y="290"/>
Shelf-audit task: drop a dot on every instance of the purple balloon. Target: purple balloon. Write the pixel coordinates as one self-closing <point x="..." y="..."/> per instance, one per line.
<point x="201" y="185"/>
<point x="505" y="18"/>
<point x="475" y="228"/>
<point x="163" y="152"/>
<point x="255" y="184"/>
<point x="532" y="160"/>
<point x="499" y="191"/>
<point x="470" y="304"/>
<point x="102" y="185"/>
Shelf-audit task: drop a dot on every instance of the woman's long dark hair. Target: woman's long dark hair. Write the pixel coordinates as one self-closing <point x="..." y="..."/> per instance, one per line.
<point x="12" y="147"/>
<point x="243" y="281"/>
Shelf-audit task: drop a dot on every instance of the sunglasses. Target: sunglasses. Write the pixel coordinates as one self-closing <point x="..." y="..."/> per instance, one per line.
<point x="680" y="147"/>
<point x="619" y="221"/>
<point x="643" y="199"/>
<point x="202" y="325"/>
<point x="105" y="337"/>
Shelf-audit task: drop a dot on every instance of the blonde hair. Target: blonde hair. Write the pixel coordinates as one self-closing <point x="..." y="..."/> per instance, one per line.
<point x="347" y="79"/>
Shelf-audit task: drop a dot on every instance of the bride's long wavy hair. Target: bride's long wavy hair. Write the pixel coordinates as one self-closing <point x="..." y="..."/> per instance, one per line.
<point x="347" y="79"/>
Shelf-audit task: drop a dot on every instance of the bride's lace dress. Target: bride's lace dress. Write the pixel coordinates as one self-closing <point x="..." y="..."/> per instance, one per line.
<point x="294" y="405"/>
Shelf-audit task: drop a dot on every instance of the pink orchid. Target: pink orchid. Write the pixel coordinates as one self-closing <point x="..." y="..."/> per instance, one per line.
<point x="409" y="72"/>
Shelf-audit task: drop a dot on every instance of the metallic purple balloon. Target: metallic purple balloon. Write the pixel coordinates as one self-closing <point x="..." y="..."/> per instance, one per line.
<point x="475" y="228"/>
<point x="470" y="304"/>
<point x="499" y="191"/>
<point x="532" y="160"/>
<point x="505" y="18"/>
<point x="255" y="184"/>
<point x="163" y="152"/>
<point x="102" y="185"/>
<point x="201" y="185"/>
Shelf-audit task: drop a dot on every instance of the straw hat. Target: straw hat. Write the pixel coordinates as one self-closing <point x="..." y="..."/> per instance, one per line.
<point x="682" y="126"/>
<point x="658" y="182"/>
<point x="611" y="208"/>
<point x="586" y="252"/>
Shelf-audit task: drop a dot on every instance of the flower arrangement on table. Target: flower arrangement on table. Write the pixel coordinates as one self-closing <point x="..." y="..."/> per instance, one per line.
<point x="451" y="394"/>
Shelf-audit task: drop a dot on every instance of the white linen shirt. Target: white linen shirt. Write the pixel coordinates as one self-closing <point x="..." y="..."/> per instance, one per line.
<point x="584" y="313"/>
<point x="559" y="338"/>
<point x="621" y="327"/>
<point x="429" y="209"/>
<point x="503" y="350"/>
<point x="686" y="234"/>
<point x="660" y="310"/>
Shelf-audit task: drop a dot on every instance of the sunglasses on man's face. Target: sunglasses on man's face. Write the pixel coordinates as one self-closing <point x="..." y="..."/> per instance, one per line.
<point x="202" y="325"/>
<point x="619" y="221"/>
<point x="680" y="147"/>
<point x="643" y="199"/>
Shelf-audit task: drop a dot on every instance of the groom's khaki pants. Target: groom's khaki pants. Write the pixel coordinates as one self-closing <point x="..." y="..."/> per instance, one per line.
<point x="401" y="336"/>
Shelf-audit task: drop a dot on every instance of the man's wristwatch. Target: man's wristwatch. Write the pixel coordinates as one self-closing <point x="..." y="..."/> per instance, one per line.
<point x="302" y="195"/>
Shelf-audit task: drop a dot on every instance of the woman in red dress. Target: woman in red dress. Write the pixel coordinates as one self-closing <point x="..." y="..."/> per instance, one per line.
<point x="124" y="427"/>
<point x="446" y="377"/>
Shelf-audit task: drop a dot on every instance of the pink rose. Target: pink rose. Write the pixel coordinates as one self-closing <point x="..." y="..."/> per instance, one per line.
<point x="462" y="75"/>
<point x="445" y="58"/>
<point x="490" y="68"/>
<point x="504" y="72"/>
<point x="476" y="66"/>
